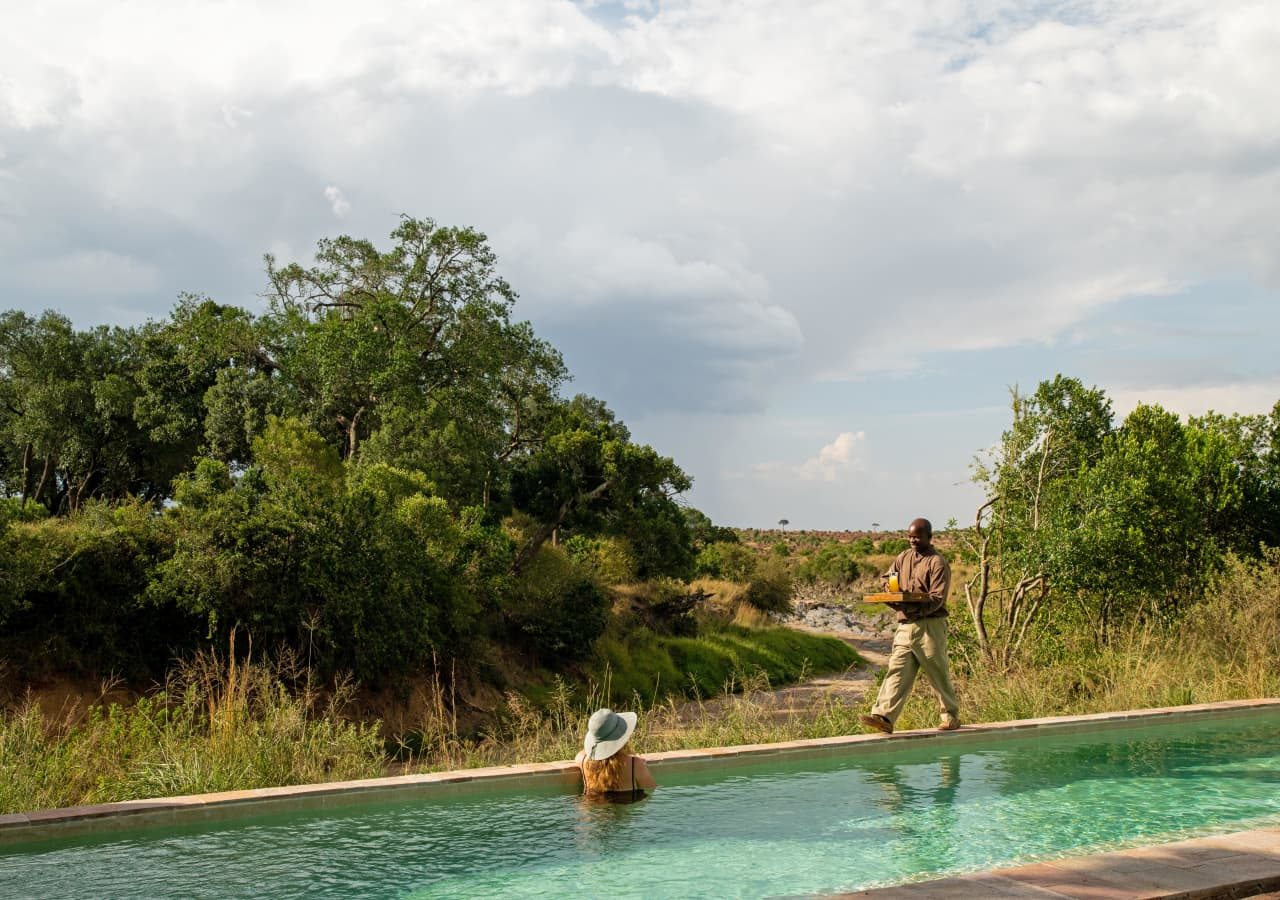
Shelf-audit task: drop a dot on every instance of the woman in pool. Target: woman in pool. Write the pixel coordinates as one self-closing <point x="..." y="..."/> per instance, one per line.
<point x="609" y="768"/>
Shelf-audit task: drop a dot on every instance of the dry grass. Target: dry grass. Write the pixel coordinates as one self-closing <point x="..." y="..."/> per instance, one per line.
<point x="217" y="725"/>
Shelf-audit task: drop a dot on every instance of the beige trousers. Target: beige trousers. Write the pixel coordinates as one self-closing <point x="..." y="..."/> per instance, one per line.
<point x="916" y="646"/>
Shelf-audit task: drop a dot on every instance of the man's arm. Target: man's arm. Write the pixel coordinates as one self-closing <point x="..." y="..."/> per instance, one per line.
<point x="939" y="579"/>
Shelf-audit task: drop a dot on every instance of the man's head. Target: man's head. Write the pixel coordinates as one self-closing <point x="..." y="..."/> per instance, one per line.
<point x="920" y="534"/>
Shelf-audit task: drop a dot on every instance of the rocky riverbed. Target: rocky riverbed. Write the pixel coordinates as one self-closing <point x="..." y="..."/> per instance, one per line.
<point x="825" y="611"/>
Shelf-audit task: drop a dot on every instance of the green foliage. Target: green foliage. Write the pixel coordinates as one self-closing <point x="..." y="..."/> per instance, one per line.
<point x="729" y="560"/>
<point x="892" y="546"/>
<point x="328" y="475"/>
<point x="555" y="608"/>
<point x="588" y="477"/>
<point x="71" y="593"/>
<point x="608" y="559"/>
<point x="771" y="588"/>
<point x="368" y="572"/>
<point x="837" y="564"/>
<point x="1106" y="524"/>
<point x="702" y="531"/>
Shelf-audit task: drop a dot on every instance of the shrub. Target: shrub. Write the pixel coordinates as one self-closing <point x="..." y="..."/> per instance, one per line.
<point x="608" y="559"/>
<point x="727" y="559"/>
<point x="835" y="564"/>
<point x="555" y="609"/>
<point x="892" y="545"/>
<point x="770" y="590"/>
<point x="71" y="594"/>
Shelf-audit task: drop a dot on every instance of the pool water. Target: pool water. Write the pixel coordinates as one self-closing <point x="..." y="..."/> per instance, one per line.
<point x="777" y="827"/>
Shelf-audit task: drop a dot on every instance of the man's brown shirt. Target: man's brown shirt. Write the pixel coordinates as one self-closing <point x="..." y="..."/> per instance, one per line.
<point x="926" y="573"/>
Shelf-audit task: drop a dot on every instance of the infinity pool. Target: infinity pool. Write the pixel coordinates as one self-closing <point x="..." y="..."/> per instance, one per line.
<point x="795" y="826"/>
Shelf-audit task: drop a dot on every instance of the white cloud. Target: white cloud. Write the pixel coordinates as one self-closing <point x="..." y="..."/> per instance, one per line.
<point x="1248" y="398"/>
<point x="832" y="463"/>
<point x="700" y="201"/>
<point x="337" y="202"/>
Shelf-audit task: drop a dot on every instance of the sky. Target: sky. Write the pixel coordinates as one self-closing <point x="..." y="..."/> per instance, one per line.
<point x="804" y="248"/>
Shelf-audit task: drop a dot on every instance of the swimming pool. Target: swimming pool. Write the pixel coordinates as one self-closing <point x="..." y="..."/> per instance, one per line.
<point x="883" y="813"/>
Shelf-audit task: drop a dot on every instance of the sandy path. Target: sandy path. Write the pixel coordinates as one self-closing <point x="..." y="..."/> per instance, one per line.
<point x="867" y="637"/>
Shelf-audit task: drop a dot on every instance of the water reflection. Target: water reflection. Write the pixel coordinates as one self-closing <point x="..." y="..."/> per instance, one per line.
<point x="920" y="800"/>
<point x="602" y="819"/>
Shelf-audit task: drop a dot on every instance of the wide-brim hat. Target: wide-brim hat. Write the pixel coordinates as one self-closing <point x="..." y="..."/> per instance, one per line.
<point x="607" y="731"/>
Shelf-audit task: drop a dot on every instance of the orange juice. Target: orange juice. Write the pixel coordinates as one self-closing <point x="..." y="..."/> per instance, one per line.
<point x="893" y="583"/>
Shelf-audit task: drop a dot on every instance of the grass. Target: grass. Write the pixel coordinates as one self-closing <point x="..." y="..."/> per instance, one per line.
<point x="1226" y="648"/>
<point x="217" y="725"/>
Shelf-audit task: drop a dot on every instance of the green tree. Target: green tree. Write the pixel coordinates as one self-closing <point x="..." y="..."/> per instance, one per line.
<point x="422" y="329"/>
<point x="1031" y="480"/>
<point x="588" y="477"/>
<point x="66" y="404"/>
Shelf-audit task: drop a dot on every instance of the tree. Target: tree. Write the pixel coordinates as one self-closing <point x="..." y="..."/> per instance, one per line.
<point x="588" y="476"/>
<point x="205" y="382"/>
<point x="363" y="333"/>
<point x="66" y="413"/>
<point x="783" y="523"/>
<point x="1031" y="480"/>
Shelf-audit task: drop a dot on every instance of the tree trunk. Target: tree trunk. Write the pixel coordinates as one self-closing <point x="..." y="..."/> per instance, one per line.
<point x="546" y="530"/>
<point x="26" y="474"/>
<point x="44" y="477"/>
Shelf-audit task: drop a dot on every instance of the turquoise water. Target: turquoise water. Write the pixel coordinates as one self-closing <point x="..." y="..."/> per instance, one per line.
<point x="774" y="828"/>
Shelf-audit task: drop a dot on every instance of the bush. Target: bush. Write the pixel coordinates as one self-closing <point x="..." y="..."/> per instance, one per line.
<point x="727" y="559"/>
<point x="608" y="559"/>
<point x="770" y="591"/>
<point x="556" y="610"/>
<point x="71" y="594"/>
<point x="666" y="606"/>
<point x="892" y="546"/>
<point x="836" y="564"/>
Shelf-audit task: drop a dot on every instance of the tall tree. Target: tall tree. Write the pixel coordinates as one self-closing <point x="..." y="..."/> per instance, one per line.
<point x="365" y="336"/>
<point x="1031" y="480"/>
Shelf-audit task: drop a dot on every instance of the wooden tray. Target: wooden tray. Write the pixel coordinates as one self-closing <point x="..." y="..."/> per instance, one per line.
<point x="897" y="597"/>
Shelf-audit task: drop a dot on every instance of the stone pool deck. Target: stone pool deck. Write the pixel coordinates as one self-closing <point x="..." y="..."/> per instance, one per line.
<point x="1243" y="864"/>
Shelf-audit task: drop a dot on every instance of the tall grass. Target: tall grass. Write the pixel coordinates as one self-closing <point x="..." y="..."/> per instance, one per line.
<point x="218" y="724"/>
<point x="1227" y="647"/>
<point x="526" y="734"/>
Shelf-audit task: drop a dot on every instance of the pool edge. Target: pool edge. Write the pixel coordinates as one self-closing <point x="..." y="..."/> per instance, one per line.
<point x="1237" y="864"/>
<point x="70" y="821"/>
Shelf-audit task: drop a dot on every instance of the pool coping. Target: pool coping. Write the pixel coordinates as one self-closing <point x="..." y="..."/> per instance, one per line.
<point x="105" y="817"/>
<point x="1240" y="864"/>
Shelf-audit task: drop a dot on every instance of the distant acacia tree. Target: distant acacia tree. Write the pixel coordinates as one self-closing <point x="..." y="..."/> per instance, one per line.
<point x="783" y="523"/>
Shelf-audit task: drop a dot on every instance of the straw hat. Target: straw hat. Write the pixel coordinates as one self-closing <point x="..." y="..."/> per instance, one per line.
<point x="607" y="731"/>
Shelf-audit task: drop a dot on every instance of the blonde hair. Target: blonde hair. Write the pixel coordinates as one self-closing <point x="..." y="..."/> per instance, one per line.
<point x="603" y="776"/>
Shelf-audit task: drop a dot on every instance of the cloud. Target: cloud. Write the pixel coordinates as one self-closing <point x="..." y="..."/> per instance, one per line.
<point x="707" y="205"/>
<point x="832" y="463"/>
<point x="1247" y="398"/>
<point x="337" y="202"/>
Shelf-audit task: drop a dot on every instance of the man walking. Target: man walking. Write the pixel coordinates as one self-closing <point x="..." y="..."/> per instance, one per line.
<point x="920" y="643"/>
